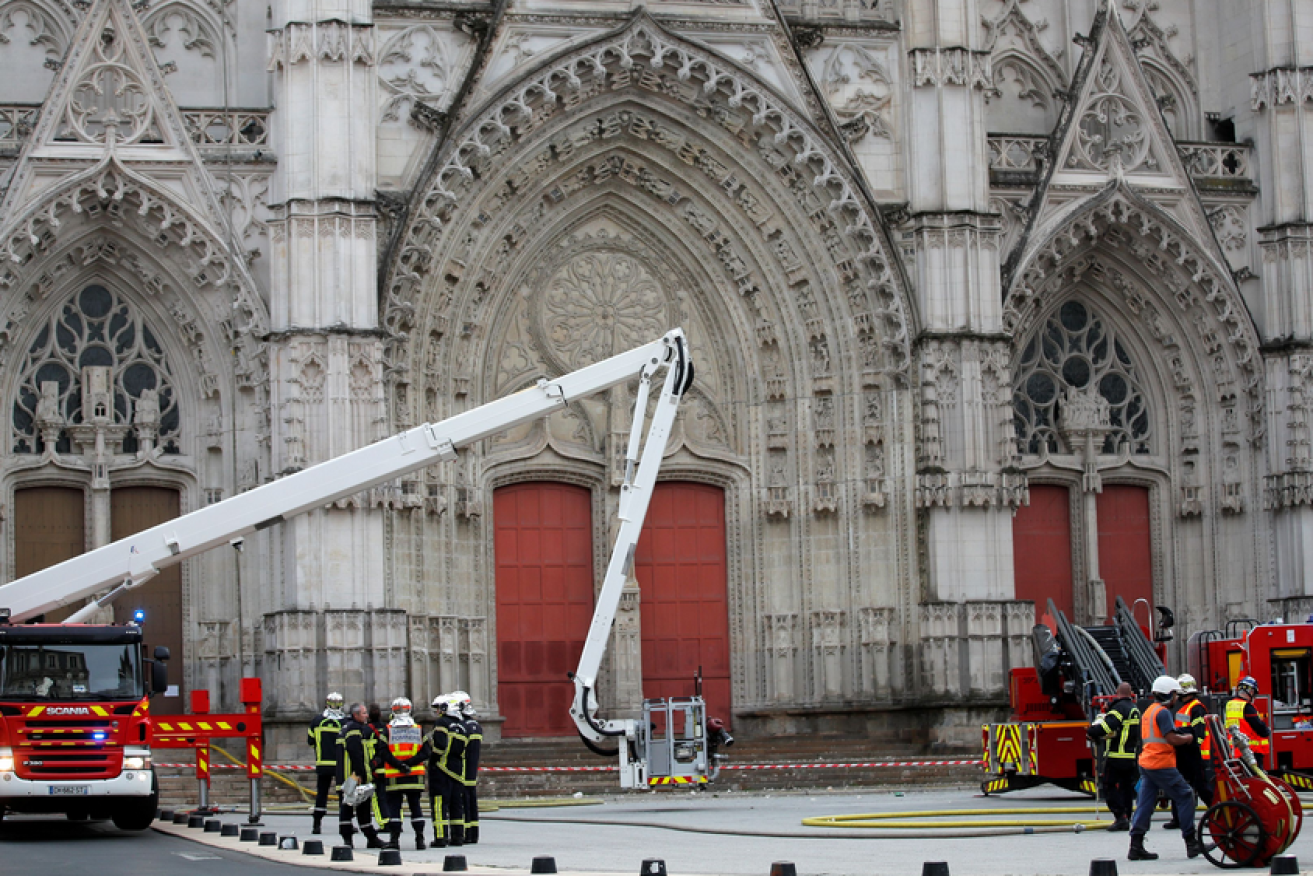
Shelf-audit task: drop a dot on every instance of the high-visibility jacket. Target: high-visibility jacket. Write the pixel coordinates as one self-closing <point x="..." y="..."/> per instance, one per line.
<point x="1191" y="718"/>
<point x="322" y="737"/>
<point x="1235" y="717"/>
<point x="1119" y="728"/>
<point x="404" y="741"/>
<point x="1157" y="753"/>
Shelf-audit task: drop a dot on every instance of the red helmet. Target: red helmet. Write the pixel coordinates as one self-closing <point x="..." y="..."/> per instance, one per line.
<point x="715" y="724"/>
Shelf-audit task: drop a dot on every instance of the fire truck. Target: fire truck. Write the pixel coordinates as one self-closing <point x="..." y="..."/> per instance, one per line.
<point x="1077" y="670"/>
<point x="1279" y="656"/>
<point x="75" y="730"/>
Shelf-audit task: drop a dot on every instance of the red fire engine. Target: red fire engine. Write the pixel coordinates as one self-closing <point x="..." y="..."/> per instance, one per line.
<point x="75" y="728"/>
<point x="1279" y="656"/>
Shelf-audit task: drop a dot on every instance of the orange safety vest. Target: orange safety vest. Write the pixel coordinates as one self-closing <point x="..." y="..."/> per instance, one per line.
<point x="1157" y="753"/>
<point x="1187" y="716"/>
<point x="1235" y="717"/>
<point x="404" y="751"/>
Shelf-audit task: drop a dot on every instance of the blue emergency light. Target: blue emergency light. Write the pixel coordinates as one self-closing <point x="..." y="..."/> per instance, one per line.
<point x="139" y="615"/>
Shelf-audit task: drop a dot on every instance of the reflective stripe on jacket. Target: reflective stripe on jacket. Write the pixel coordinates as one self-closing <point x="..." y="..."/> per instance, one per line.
<point x="1157" y="753"/>
<point x="1120" y="729"/>
<point x="1191" y="718"/>
<point x="1235" y="717"/>
<point x="322" y="737"/>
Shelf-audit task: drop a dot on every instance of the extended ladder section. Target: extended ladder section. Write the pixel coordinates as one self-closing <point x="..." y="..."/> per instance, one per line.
<point x="132" y="561"/>
<point x="1103" y="657"/>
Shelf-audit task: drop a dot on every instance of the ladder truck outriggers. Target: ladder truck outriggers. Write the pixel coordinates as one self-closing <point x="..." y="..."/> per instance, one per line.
<point x="74" y="711"/>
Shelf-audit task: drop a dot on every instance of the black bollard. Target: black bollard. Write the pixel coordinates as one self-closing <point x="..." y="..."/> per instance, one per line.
<point x="1285" y="865"/>
<point x="312" y="847"/>
<point x="454" y="864"/>
<point x="783" y="868"/>
<point x="249" y="835"/>
<point x="543" y="865"/>
<point x="230" y="830"/>
<point x="180" y="817"/>
<point x="166" y="815"/>
<point x="389" y="858"/>
<point x="934" y="868"/>
<point x="657" y="867"/>
<point x="1103" y="867"/>
<point x="342" y="853"/>
<point x="195" y="820"/>
<point x="288" y="843"/>
<point x="268" y="838"/>
<point x="213" y="825"/>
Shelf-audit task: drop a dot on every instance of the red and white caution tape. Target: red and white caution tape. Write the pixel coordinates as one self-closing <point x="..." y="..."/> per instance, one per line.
<point x="874" y="764"/>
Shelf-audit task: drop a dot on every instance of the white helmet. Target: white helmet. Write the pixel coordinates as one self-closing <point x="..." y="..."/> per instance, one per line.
<point x="1165" y="685"/>
<point x="1187" y="683"/>
<point x="401" y="709"/>
<point x="460" y="697"/>
<point x="333" y="704"/>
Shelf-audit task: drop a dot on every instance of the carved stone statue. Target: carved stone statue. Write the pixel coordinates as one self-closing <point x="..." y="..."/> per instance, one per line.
<point x="47" y="407"/>
<point x="148" y="409"/>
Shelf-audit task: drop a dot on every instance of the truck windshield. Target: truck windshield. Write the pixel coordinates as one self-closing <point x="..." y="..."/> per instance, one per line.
<point x="36" y="673"/>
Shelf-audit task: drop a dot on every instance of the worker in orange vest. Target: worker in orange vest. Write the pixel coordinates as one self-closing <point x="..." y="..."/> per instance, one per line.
<point x="1159" y="740"/>
<point x="1241" y="712"/>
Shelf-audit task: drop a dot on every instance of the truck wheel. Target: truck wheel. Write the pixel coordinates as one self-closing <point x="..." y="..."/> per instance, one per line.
<point x="137" y="813"/>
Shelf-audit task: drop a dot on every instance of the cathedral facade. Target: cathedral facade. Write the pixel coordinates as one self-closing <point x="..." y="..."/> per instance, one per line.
<point x="993" y="302"/>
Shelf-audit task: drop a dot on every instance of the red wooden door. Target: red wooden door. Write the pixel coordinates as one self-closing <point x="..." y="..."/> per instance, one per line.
<point x="681" y="572"/>
<point x="1041" y="549"/>
<point x="544" y="558"/>
<point x="1125" y="550"/>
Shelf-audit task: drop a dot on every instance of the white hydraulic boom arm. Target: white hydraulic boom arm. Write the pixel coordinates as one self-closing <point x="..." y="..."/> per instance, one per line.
<point x="132" y="561"/>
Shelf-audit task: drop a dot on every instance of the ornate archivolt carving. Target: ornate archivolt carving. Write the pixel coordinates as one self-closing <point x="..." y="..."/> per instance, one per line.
<point x="110" y="193"/>
<point x="644" y="57"/>
<point x="1186" y="279"/>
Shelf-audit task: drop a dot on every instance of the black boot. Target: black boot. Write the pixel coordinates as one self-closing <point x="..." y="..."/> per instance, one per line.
<point x="471" y="835"/>
<point x="457" y="837"/>
<point x="394" y="839"/>
<point x="346" y="833"/>
<point x="319" y="819"/>
<point x="1193" y="848"/>
<point x="419" y="842"/>
<point x="1138" y="852"/>
<point x="1172" y="823"/>
<point x="371" y="838"/>
<point x="1120" y="824"/>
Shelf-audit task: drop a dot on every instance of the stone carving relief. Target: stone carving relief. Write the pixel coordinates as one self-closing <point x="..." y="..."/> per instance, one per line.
<point x="1111" y="128"/>
<point x="414" y="65"/>
<point x="1169" y="77"/>
<point x="332" y="42"/>
<point x="46" y="27"/>
<point x="1231" y="226"/>
<point x="859" y="89"/>
<point x="1280" y="86"/>
<point x="938" y="67"/>
<point x="197" y="31"/>
<point x="111" y="99"/>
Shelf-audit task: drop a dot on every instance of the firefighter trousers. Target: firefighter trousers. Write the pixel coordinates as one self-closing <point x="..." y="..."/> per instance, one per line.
<point x="447" y="798"/>
<point x="366" y="815"/>
<point x="412" y="798"/>
<point x="324" y="778"/>
<point x="470" y="810"/>
<point x="1119" y="777"/>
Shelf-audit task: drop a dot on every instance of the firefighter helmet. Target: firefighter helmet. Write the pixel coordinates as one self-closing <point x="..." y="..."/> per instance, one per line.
<point x="1187" y="683"/>
<point x="1165" y="685"/>
<point x="1248" y="683"/>
<point x="401" y="706"/>
<point x="334" y="701"/>
<point x="439" y="704"/>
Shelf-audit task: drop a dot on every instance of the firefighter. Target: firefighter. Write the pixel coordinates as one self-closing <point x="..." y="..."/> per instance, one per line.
<point x="473" y="745"/>
<point x="446" y="770"/>
<point x="1193" y="759"/>
<point x="405" y="741"/>
<point x="1240" y="712"/>
<point x="1119" y="729"/>
<point x="1159" y="739"/>
<point x="322" y="737"/>
<point x="355" y="760"/>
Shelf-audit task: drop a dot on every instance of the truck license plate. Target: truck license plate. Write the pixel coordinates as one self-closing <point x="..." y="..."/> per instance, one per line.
<point x="69" y="790"/>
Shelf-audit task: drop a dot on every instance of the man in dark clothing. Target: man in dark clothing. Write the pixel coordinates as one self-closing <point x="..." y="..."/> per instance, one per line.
<point x="473" y="745"/>
<point x="446" y="768"/>
<point x="1158" y="742"/>
<point x="1192" y="759"/>
<point x="322" y="737"/>
<point x="1241" y="713"/>
<point x="357" y="749"/>
<point x="1119" y="730"/>
<point x="405" y="740"/>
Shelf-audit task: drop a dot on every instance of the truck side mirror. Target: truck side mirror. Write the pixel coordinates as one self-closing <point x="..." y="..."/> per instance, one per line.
<point x="161" y="653"/>
<point x="159" y="674"/>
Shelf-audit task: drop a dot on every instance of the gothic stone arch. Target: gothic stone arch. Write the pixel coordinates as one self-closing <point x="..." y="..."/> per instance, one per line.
<point x="664" y="185"/>
<point x="1197" y="348"/>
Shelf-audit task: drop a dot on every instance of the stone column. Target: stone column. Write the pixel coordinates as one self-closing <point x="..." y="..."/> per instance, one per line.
<point x="965" y="477"/>
<point x="1085" y="422"/>
<point x="327" y="394"/>
<point x="1280" y="125"/>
